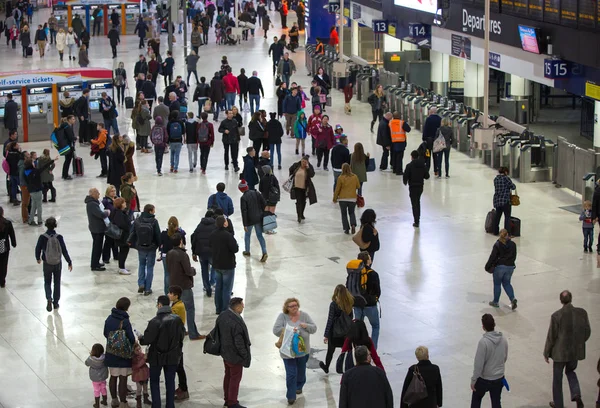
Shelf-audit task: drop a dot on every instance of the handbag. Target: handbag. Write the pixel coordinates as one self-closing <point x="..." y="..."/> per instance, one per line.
<point x="212" y="344"/>
<point x="3" y="246"/>
<point x="514" y="199"/>
<point x="241" y="131"/>
<point x="322" y="98"/>
<point x="439" y="143"/>
<point x="208" y="106"/>
<point x="280" y="341"/>
<point x="269" y="222"/>
<point x="287" y="186"/>
<point x="371" y="165"/>
<point x="328" y="100"/>
<point x="278" y="81"/>
<point x="118" y="344"/>
<point x="286" y="343"/>
<point x="341" y="326"/>
<point x="114" y="232"/>
<point x="416" y="390"/>
<point x="345" y="362"/>
<point x="360" y="201"/>
<point x="357" y="238"/>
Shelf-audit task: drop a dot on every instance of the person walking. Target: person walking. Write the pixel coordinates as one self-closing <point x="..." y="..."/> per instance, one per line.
<point x="191" y="140"/>
<point x="160" y="140"/>
<point x="369" y="235"/>
<point x="565" y="345"/>
<point x="50" y="249"/>
<point x="61" y="42"/>
<point x="235" y="349"/>
<point x="358" y="162"/>
<point x="33" y="175"/>
<point x="114" y="40"/>
<point x="302" y="173"/>
<point x="40" y="40"/>
<point x="67" y="128"/>
<point x="53" y="27"/>
<point x="84" y="60"/>
<point x="120" y="217"/>
<point x="201" y="250"/>
<point x="488" y="370"/>
<point x="338" y="323"/>
<point x="119" y="367"/>
<point x="286" y="68"/>
<point x="164" y="335"/>
<point x="324" y="139"/>
<point x="501" y="264"/>
<point x="109" y="114"/>
<point x="430" y="373"/>
<point x="71" y="43"/>
<point x="243" y="95"/>
<point x="398" y="130"/>
<point x="414" y="177"/>
<point x="7" y="239"/>
<point x="502" y="204"/>
<point x="257" y="130"/>
<point x="217" y="95"/>
<point x="201" y="95"/>
<point x="232" y="88"/>
<point x="384" y="139"/>
<point x="292" y="319"/>
<point x="359" y="336"/>
<point x="255" y="90"/>
<point x="231" y="140"/>
<point x="339" y="155"/>
<point x="345" y="194"/>
<point x="300" y="131"/>
<point x="25" y="38"/>
<point x="365" y="385"/>
<point x="378" y="103"/>
<point x="166" y="244"/>
<point x="221" y="200"/>
<point x="141" y="28"/>
<point x="371" y="295"/>
<point x="223" y="247"/>
<point x="116" y="162"/>
<point x="252" y="206"/>
<point x="82" y="111"/>
<point x="97" y="226"/>
<point x="291" y="106"/>
<point x="191" y="62"/>
<point x="206" y="139"/>
<point x="175" y="130"/>
<point x="276" y="52"/>
<point x="167" y="68"/>
<point x="430" y="128"/>
<point x="145" y="237"/>
<point x="446" y="131"/>
<point x="249" y="174"/>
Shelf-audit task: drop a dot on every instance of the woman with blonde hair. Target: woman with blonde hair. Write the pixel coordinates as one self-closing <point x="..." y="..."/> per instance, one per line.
<point x="166" y="245"/>
<point x="345" y="193"/>
<point x="61" y="42"/>
<point x="431" y="376"/>
<point x="338" y="324"/>
<point x="358" y="162"/>
<point x="501" y="265"/>
<point x="295" y="364"/>
<point x="378" y="104"/>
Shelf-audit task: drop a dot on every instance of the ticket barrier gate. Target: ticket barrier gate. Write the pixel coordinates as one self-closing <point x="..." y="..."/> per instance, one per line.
<point x="537" y="160"/>
<point x="365" y="84"/>
<point x="515" y="158"/>
<point x="39" y="113"/>
<point x="389" y="90"/>
<point x="589" y="186"/>
<point x="417" y="107"/>
<point x="503" y="145"/>
<point x="309" y="55"/>
<point x="462" y="139"/>
<point x="413" y="100"/>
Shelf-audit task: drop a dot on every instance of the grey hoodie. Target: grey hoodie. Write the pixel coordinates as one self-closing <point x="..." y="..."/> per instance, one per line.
<point x="98" y="371"/>
<point x="492" y="352"/>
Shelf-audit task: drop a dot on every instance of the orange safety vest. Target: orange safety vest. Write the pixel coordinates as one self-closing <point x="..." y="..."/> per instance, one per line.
<point x="397" y="131"/>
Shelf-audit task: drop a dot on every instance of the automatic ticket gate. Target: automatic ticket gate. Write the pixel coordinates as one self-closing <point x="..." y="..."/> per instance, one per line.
<point x="132" y="16"/>
<point x="16" y="96"/>
<point x="96" y="90"/>
<point x="537" y="160"/>
<point x="39" y="112"/>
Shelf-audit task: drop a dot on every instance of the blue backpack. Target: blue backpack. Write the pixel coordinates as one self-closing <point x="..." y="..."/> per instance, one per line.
<point x="175" y="132"/>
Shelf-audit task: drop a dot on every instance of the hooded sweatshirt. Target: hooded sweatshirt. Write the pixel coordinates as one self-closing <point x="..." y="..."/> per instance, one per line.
<point x="301" y="126"/>
<point x="98" y="371"/>
<point x="492" y="352"/>
<point x="222" y="201"/>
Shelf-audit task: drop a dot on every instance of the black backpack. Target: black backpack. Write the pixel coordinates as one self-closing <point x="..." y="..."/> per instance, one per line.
<point x="145" y="232"/>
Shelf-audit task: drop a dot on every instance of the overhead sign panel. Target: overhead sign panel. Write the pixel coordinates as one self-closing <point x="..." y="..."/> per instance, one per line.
<point x="428" y="6"/>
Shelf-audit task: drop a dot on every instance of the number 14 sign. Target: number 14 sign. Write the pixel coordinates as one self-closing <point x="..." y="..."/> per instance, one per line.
<point x="380" y="26"/>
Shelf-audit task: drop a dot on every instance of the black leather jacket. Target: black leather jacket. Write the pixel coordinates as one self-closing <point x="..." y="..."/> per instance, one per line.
<point x="164" y="335"/>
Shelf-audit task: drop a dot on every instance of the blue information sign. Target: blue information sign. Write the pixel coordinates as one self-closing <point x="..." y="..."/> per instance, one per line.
<point x="494" y="60"/>
<point x="380" y="26"/>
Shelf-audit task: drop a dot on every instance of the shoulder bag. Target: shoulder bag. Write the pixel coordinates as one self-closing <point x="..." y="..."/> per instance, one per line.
<point x="416" y="390"/>
<point x="345" y="361"/>
<point x="514" y="199"/>
<point x="357" y="238"/>
<point x="212" y="344"/>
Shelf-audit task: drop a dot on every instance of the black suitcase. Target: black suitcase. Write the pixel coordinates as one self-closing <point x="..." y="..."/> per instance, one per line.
<point x="489" y="221"/>
<point x="128" y="102"/>
<point x="77" y="166"/>
<point x="515" y="227"/>
<point x="29" y="51"/>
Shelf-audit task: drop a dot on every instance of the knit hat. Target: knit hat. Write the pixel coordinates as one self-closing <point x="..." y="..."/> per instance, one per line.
<point x="338" y="126"/>
<point x="243" y="186"/>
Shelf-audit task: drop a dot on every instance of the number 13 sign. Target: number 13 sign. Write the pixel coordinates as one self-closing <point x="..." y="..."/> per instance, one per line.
<point x="380" y="26"/>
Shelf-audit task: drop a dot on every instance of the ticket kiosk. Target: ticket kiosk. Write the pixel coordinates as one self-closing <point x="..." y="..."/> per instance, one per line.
<point x="96" y="89"/>
<point x="39" y="112"/>
<point x="132" y="15"/>
<point x="74" y="90"/>
<point x="119" y="9"/>
<point x="90" y="19"/>
<point x="17" y="97"/>
<point x="78" y="9"/>
<point x="61" y="13"/>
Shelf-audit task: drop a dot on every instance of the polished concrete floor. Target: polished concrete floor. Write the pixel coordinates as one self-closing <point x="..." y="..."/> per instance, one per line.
<point x="434" y="287"/>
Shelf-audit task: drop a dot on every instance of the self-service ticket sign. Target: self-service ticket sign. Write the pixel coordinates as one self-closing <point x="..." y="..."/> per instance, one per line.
<point x="40" y="94"/>
<point x="74" y="90"/>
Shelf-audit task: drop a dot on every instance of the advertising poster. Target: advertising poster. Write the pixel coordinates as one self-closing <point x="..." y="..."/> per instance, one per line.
<point x="461" y="46"/>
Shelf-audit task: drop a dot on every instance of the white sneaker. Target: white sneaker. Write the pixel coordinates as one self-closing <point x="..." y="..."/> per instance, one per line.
<point x="124" y="272"/>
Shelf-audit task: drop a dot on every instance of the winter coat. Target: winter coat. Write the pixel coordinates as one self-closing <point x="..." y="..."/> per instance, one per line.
<point x="223" y="248"/>
<point x="217" y="90"/>
<point x="415" y="173"/>
<point x="274" y="131"/>
<point x="200" y="245"/>
<point x="360" y="168"/>
<point x="66" y="106"/>
<point x="11" y="109"/>
<point x="324" y="82"/>
<point x="233" y="135"/>
<point x="448" y="134"/>
<point x="252" y="206"/>
<point x="192" y="62"/>
<point x="70" y="38"/>
<point x="365" y="386"/>
<point x="310" y="188"/>
<point x="98" y="371"/>
<point x="118" y="319"/>
<point x="235" y="341"/>
<point x="323" y="136"/>
<point x="145" y="218"/>
<point x="268" y="181"/>
<point x="280" y="66"/>
<point x="144" y="128"/>
<point x="141" y="29"/>
<point x="243" y="83"/>
<point x="502" y="254"/>
<point x="569" y="330"/>
<point x="431" y="125"/>
<point x="46" y="174"/>
<point x="25" y="38"/>
<point x="433" y="381"/>
<point x="181" y="272"/>
<point x="384" y="135"/>
<point x="196" y="38"/>
<point x="121" y="219"/>
<point x="164" y="335"/>
<point x="231" y="83"/>
<point x="61" y="41"/>
<point x="113" y="37"/>
<point x="292" y="104"/>
<point x="345" y="188"/>
<point x="256" y="130"/>
<point x="140" y="371"/>
<point x="339" y="155"/>
<point x="116" y="165"/>
<point x="84" y="61"/>
<point x="95" y="215"/>
<point x="249" y="172"/>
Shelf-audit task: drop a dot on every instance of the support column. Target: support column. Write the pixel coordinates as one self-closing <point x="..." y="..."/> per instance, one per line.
<point x="474" y="85"/>
<point x="520" y="88"/>
<point x="596" y="126"/>
<point x="440" y="72"/>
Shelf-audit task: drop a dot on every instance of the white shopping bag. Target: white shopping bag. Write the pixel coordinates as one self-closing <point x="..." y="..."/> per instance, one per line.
<point x="286" y="344"/>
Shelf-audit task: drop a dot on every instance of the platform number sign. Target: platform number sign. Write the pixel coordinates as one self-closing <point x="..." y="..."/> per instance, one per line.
<point x="560" y="69"/>
<point x="333" y="7"/>
<point x="418" y="30"/>
<point x="380" y="26"/>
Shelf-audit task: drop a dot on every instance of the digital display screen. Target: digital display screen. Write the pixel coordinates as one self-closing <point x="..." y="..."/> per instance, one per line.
<point x="95" y="105"/>
<point x="34" y="109"/>
<point x="551" y="8"/>
<point x="508" y="7"/>
<point x="587" y="13"/>
<point x="529" y="40"/>
<point x="568" y="13"/>
<point x="428" y="6"/>
<point x="2" y="112"/>
<point x="536" y="9"/>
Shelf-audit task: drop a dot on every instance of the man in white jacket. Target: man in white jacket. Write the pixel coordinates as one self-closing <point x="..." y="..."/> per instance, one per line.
<point x="488" y="370"/>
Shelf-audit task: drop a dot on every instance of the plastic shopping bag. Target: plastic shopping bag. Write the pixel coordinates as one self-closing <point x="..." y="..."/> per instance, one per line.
<point x="286" y="344"/>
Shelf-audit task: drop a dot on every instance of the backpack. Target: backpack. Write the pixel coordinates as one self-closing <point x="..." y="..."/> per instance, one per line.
<point x="356" y="281"/>
<point x="145" y="233"/>
<point x="140" y="119"/>
<point x="202" y="132"/>
<point x="157" y="136"/>
<point x="57" y="138"/>
<point x="53" y="251"/>
<point x="118" y="344"/>
<point x="95" y="13"/>
<point x="175" y="131"/>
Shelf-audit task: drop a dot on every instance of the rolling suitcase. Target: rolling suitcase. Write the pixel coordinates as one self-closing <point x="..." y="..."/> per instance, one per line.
<point x="77" y="166"/>
<point x="128" y="102"/>
<point x="29" y="51"/>
<point x="489" y="221"/>
<point x="515" y="227"/>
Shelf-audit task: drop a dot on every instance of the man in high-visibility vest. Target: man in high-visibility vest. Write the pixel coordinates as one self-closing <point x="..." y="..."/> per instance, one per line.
<point x="398" y="131"/>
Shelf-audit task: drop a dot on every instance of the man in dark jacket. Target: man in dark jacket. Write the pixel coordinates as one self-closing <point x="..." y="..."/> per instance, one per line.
<point x="201" y="249"/>
<point x="243" y="84"/>
<point x="414" y="176"/>
<point x="82" y="111"/>
<point x="113" y="36"/>
<point x="141" y="67"/>
<point x="276" y="49"/>
<point x="339" y="155"/>
<point x="164" y="335"/>
<point x="255" y="90"/>
<point x="201" y="94"/>
<point x="145" y="236"/>
<point x="252" y="205"/>
<point x="221" y="200"/>
<point x="69" y="134"/>
<point x="109" y="114"/>
<point x="141" y="29"/>
<point x="11" y="110"/>
<point x="181" y="273"/>
<point x="235" y="349"/>
<point x="231" y="140"/>
<point x="291" y="106"/>
<point x="430" y="127"/>
<point x="565" y="345"/>
<point x="97" y="226"/>
<point x="384" y="139"/>
<point x="33" y="176"/>
<point x="249" y="171"/>
<point x="223" y="248"/>
<point x="365" y="385"/>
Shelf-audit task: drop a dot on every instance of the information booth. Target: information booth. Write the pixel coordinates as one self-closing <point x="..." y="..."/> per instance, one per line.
<point x="40" y="91"/>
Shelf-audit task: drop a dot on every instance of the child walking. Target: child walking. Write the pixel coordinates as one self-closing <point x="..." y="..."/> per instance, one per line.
<point x="588" y="226"/>
<point x="140" y="373"/>
<point x="98" y="373"/>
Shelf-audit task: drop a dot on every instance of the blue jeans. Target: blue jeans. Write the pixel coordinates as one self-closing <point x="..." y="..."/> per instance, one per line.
<point x="201" y="102"/>
<point x="272" y="148"/>
<point x="588" y="238"/>
<point x="336" y="174"/>
<point x="207" y="281"/>
<point x="192" y="149"/>
<point x="166" y="280"/>
<point x="14" y="187"/>
<point x="502" y="275"/>
<point x="230" y="99"/>
<point x="285" y="78"/>
<point x="187" y="297"/>
<point x="259" y="235"/>
<point x="146" y="269"/>
<point x="371" y="313"/>
<point x="175" y="151"/>
<point x="225" y="279"/>
<point x="170" y="371"/>
<point x="108" y="123"/>
<point x="295" y="375"/>
<point x="254" y="99"/>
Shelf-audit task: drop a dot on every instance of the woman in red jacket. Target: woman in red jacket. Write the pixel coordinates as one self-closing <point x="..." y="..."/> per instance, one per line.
<point x="359" y="336"/>
<point x="334" y="39"/>
<point x="323" y="134"/>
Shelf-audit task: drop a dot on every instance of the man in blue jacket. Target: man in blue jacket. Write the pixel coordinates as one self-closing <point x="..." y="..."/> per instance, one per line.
<point x="145" y="237"/>
<point x="221" y="200"/>
<point x="291" y="106"/>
